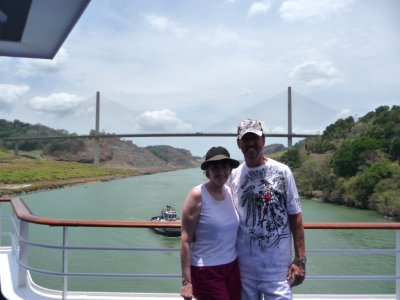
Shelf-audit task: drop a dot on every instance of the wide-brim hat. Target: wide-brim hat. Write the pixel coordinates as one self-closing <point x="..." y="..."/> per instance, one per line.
<point x="218" y="154"/>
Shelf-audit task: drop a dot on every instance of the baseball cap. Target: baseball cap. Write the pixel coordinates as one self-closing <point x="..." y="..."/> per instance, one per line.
<point x="249" y="125"/>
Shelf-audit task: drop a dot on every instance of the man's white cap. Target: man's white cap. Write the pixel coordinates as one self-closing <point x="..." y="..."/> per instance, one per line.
<point x="249" y="125"/>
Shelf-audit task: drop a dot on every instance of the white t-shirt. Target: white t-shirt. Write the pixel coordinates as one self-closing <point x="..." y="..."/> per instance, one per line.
<point x="264" y="197"/>
<point x="216" y="231"/>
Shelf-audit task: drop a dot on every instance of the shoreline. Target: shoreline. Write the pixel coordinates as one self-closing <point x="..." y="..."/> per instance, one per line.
<point x="14" y="189"/>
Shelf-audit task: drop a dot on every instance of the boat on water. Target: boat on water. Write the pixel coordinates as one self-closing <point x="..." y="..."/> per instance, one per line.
<point x="167" y="214"/>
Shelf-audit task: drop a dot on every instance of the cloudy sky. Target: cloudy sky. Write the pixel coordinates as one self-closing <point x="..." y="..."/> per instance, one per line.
<point x="203" y="66"/>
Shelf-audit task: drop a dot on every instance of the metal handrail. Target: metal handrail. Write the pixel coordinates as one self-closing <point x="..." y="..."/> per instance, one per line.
<point x="25" y="214"/>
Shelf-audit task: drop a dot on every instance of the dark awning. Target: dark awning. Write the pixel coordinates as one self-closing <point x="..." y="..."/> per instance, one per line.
<point x="37" y="28"/>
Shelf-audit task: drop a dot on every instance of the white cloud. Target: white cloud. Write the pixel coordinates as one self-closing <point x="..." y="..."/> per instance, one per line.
<point x="32" y="67"/>
<point x="10" y="92"/>
<point x="345" y="113"/>
<point x="164" y="24"/>
<point x="162" y="121"/>
<point x="276" y="129"/>
<point x="259" y="8"/>
<point x="244" y="92"/>
<point x="294" y="10"/>
<point x="223" y="36"/>
<point x="5" y="62"/>
<point x="300" y="130"/>
<point x="316" y="74"/>
<point x="56" y="103"/>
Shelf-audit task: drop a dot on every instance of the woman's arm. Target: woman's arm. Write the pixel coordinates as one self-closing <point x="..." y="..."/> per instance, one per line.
<point x="190" y="216"/>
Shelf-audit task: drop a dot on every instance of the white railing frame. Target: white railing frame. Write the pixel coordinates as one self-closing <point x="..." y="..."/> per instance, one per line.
<point x="397" y="264"/>
<point x="21" y="243"/>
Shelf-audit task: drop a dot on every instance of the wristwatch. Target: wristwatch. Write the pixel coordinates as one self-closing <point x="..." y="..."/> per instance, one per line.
<point x="301" y="260"/>
<point x="185" y="282"/>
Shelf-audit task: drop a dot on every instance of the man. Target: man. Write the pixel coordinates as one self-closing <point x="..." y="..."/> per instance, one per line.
<point x="266" y="197"/>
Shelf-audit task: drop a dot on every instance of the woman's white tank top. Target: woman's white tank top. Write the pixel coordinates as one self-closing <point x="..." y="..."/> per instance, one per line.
<point x="215" y="234"/>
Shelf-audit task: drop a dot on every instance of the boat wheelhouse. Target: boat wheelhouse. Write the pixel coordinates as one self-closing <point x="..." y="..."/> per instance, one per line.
<point x="167" y="214"/>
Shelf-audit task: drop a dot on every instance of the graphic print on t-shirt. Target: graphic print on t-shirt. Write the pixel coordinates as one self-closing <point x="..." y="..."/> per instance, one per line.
<point x="263" y="197"/>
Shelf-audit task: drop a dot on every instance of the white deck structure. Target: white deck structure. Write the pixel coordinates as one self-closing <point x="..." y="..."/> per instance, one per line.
<point x="15" y="267"/>
<point x="31" y="291"/>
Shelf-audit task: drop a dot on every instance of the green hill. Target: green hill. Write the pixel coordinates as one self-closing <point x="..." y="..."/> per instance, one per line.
<point x="56" y="163"/>
<point x="354" y="162"/>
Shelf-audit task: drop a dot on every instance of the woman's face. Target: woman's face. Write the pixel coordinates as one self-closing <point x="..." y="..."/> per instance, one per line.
<point x="219" y="172"/>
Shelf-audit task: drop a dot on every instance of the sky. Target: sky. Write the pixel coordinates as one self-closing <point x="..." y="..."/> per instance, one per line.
<point x="203" y="66"/>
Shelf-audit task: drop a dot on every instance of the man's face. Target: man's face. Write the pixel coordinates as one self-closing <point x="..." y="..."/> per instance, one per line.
<point x="251" y="145"/>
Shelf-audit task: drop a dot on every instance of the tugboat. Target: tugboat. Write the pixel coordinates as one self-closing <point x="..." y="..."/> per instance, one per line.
<point x="167" y="214"/>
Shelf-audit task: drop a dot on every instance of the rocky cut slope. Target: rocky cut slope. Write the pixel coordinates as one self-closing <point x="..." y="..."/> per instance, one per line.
<point x="117" y="153"/>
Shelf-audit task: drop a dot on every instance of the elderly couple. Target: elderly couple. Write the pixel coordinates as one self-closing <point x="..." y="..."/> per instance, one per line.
<point x="237" y="228"/>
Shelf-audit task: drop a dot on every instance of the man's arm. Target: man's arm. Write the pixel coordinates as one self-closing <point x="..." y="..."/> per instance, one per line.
<point x="297" y="270"/>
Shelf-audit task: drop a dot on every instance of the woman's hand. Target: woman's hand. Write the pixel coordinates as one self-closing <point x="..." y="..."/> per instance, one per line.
<point x="187" y="291"/>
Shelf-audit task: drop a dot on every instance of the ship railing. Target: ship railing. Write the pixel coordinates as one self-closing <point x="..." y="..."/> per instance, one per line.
<point x="22" y="217"/>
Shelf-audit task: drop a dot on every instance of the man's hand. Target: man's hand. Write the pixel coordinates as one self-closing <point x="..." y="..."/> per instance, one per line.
<point x="296" y="273"/>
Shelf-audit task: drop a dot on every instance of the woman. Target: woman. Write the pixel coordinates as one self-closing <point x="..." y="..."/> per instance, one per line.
<point x="209" y="227"/>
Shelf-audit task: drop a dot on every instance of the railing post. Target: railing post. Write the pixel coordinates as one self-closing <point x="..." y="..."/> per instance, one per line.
<point x="16" y="146"/>
<point x="65" y="263"/>
<point x="23" y="253"/>
<point x="1" y="236"/>
<point x="290" y="138"/>
<point x="397" y="264"/>
<point x="14" y="236"/>
<point x="97" y="131"/>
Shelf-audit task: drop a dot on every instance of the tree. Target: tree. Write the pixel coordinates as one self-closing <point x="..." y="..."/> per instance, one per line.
<point x="339" y="129"/>
<point x="292" y="158"/>
<point x="394" y="148"/>
<point x="346" y="160"/>
<point x="318" y="145"/>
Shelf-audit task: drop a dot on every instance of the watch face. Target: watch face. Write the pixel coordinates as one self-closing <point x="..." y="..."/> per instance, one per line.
<point x="302" y="260"/>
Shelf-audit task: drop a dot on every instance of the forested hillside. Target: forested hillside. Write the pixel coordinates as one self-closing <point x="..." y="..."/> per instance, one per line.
<point x="20" y="129"/>
<point x="354" y="162"/>
<point x="114" y="152"/>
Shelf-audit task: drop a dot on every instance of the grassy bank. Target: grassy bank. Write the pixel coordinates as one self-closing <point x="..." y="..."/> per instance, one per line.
<point x="31" y="172"/>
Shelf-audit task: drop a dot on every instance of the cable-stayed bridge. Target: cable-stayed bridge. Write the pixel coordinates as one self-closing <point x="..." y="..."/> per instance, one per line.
<point x="134" y="115"/>
<point x="282" y="117"/>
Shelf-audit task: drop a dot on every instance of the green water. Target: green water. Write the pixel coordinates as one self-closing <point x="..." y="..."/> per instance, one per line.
<point x="139" y="198"/>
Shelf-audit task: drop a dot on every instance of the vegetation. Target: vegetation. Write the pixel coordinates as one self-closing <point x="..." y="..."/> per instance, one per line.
<point x="21" y="170"/>
<point x="355" y="163"/>
<point x="44" y="173"/>
<point x="18" y="129"/>
<point x="171" y="155"/>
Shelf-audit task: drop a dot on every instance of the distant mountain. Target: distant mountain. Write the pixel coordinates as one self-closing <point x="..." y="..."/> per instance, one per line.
<point x="125" y="154"/>
<point x="173" y="156"/>
<point x="273" y="148"/>
<point x="308" y="116"/>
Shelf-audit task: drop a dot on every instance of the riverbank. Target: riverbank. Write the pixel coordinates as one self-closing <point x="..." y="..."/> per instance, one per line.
<point x="34" y="186"/>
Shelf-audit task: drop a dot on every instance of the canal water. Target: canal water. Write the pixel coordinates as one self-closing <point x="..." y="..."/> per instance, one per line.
<point x="140" y="198"/>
